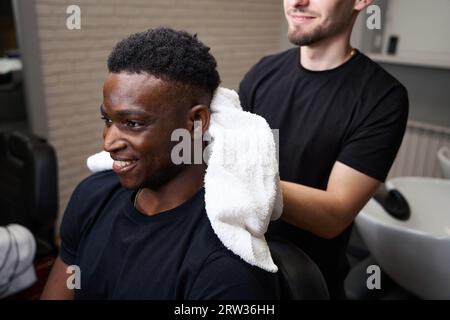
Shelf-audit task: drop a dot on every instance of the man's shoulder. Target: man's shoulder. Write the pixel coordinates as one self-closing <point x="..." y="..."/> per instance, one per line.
<point x="97" y="183"/>
<point x="376" y="88"/>
<point x="215" y="255"/>
<point x="230" y="277"/>
<point x="221" y="259"/>
<point x="86" y="202"/>
<point x="378" y="75"/>
<point x="286" y="55"/>
<point x="267" y="70"/>
<point x="275" y="61"/>
<point x="96" y="189"/>
<point x="224" y="259"/>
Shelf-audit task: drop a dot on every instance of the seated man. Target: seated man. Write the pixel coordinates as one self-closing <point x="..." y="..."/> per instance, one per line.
<point x="141" y="231"/>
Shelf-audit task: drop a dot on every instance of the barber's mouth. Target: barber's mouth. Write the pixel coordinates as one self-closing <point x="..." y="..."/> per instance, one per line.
<point x="122" y="166"/>
<point x="301" y="19"/>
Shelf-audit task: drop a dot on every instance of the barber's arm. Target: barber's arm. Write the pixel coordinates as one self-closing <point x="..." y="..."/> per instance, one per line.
<point x="328" y="213"/>
<point x="372" y="149"/>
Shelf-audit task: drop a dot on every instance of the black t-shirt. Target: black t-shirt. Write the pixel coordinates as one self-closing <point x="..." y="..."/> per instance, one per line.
<point x="355" y="114"/>
<point x="124" y="254"/>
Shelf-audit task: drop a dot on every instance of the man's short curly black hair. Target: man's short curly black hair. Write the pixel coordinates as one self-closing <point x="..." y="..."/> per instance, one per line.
<point x="173" y="56"/>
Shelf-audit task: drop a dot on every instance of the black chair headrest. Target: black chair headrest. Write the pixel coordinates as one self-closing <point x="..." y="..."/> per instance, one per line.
<point x="28" y="183"/>
<point x="300" y="277"/>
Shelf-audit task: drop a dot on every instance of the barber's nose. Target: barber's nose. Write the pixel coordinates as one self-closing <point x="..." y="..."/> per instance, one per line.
<point x="112" y="140"/>
<point x="299" y="3"/>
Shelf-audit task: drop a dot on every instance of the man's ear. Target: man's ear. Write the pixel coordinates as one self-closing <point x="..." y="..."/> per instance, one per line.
<point x="362" y="4"/>
<point x="199" y="117"/>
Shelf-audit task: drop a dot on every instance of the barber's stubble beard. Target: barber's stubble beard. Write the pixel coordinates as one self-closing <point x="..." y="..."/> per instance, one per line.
<point x="305" y="39"/>
<point x="319" y="33"/>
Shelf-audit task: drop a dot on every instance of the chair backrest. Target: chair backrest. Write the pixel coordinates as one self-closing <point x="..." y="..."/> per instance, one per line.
<point x="300" y="278"/>
<point x="28" y="184"/>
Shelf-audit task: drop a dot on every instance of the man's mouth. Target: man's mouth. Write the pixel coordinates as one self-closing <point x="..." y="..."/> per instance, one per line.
<point x="300" y="15"/>
<point x="301" y="18"/>
<point x="122" y="166"/>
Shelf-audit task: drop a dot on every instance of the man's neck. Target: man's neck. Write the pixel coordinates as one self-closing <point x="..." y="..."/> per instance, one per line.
<point x="172" y="194"/>
<point x="326" y="54"/>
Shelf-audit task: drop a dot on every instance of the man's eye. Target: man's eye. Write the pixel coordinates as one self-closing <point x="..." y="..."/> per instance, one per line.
<point x="107" y="121"/>
<point x="132" y="124"/>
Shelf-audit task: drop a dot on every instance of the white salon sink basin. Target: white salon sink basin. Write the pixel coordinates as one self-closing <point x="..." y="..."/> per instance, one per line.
<point x="414" y="253"/>
<point x="444" y="161"/>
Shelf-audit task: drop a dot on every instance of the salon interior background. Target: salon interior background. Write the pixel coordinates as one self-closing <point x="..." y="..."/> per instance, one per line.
<point x="64" y="69"/>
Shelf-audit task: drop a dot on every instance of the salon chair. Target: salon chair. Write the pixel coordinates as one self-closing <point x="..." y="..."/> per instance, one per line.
<point x="299" y="277"/>
<point x="28" y="187"/>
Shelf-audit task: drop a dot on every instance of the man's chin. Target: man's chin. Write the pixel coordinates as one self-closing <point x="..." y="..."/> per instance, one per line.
<point x="300" y="39"/>
<point x="129" y="182"/>
<point x="153" y="181"/>
<point x="134" y="184"/>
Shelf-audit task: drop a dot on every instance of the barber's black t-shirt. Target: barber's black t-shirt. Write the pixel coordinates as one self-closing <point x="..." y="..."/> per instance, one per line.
<point x="124" y="254"/>
<point x="355" y="114"/>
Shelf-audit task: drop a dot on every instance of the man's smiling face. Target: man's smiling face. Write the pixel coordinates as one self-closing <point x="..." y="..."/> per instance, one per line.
<point x="311" y="21"/>
<point x="140" y="116"/>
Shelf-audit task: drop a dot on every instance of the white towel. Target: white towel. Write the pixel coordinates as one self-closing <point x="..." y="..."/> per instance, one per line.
<point x="242" y="191"/>
<point x="101" y="161"/>
<point x="17" y="250"/>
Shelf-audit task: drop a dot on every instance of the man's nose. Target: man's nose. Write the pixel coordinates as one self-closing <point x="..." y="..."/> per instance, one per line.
<point x="298" y="3"/>
<point x="112" y="139"/>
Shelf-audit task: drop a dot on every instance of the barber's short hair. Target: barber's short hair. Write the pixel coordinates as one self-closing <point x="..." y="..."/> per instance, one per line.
<point x="173" y="56"/>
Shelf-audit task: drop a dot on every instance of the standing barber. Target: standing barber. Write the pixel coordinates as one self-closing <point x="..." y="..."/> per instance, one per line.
<point x="341" y="119"/>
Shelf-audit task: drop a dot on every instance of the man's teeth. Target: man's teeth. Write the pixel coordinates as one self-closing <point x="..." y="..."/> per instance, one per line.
<point x="123" y="164"/>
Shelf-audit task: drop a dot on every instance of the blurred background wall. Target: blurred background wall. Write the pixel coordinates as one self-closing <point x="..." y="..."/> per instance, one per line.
<point x="73" y="62"/>
<point x="64" y="69"/>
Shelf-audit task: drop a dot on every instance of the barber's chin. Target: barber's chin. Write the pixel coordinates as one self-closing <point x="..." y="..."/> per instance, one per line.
<point x="300" y="40"/>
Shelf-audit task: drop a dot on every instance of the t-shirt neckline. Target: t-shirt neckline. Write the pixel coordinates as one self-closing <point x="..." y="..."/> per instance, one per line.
<point x="337" y="69"/>
<point x="171" y="214"/>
